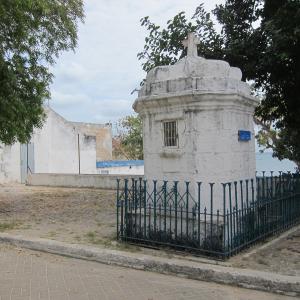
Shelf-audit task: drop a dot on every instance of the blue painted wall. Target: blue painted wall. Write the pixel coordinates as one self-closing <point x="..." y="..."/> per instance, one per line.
<point x="119" y="163"/>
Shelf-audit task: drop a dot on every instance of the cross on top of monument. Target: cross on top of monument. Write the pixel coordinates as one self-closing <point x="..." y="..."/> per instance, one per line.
<point x="191" y="44"/>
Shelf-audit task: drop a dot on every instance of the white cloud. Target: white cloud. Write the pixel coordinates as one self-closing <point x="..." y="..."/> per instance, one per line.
<point x="89" y="83"/>
<point x="111" y="110"/>
<point x="64" y="100"/>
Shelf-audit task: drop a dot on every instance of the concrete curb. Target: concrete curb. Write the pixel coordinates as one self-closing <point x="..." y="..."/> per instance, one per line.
<point x="251" y="279"/>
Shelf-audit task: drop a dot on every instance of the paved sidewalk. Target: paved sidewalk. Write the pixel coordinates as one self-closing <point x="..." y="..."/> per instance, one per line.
<point x="26" y="274"/>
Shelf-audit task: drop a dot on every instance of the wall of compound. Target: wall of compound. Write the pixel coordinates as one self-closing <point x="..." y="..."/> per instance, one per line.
<point x="10" y="161"/>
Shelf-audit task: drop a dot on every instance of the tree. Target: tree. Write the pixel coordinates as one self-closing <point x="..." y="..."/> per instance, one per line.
<point x="260" y="37"/>
<point x="164" y="47"/>
<point x="130" y="137"/>
<point x="271" y="59"/>
<point x="32" y="35"/>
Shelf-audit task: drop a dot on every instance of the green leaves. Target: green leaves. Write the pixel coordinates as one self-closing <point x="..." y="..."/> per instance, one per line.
<point x="262" y="38"/>
<point x="279" y="75"/>
<point x="164" y="46"/>
<point x="32" y="35"/>
<point x="131" y="137"/>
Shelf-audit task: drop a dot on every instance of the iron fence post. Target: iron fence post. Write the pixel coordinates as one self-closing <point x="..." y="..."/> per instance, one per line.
<point x="126" y="209"/>
<point x="145" y="208"/>
<point x="140" y="205"/>
<point x="252" y="207"/>
<point x="224" y="217"/>
<point x="118" y="190"/>
<point x="243" y="211"/>
<point x="176" y="206"/>
<point x="230" y="211"/>
<point x="154" y="204"/>
<point x="272" y="190"/>
<point x="135" y="206"/>
<point x="247" y="193"/>
<point x="199" y="212"/>
<point x="187" y="209"/>
<point x="238" y="229"/>
<point x="211" y="211"/>
<point x="247" y="208"/>
<point x="165" y="208"/>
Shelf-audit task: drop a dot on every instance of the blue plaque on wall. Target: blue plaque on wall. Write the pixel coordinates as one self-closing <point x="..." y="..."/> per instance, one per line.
<point x="244" y="135"/>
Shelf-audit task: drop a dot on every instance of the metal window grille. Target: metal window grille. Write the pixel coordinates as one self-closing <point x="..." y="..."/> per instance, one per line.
<point x="170" y="134"/>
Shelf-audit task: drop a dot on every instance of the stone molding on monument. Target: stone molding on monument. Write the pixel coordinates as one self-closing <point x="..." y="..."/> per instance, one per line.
<point x="194" y="75"/>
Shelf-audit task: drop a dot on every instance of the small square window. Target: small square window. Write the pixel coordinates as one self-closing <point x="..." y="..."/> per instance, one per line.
<point x="170" y="134"/>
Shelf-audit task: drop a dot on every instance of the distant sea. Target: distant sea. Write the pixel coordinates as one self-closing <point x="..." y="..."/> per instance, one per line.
<point x="265" y="162"/>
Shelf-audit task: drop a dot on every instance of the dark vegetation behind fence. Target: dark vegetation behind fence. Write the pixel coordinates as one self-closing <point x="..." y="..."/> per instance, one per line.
<point x="177" y="215"/>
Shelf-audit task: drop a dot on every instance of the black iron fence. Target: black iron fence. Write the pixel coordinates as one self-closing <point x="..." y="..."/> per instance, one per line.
<point x="216" y="220"/>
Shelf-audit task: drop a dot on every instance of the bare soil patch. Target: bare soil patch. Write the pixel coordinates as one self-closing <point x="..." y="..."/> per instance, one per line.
<point x="88" y="216"/>
<point x="66" y="214"/>
<point x="282" y="256"/>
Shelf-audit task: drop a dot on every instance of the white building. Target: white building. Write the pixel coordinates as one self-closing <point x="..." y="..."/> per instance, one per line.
<point x="197" y="121"/>
<point x="121" y="167"/>
<point x="60" y="146"/>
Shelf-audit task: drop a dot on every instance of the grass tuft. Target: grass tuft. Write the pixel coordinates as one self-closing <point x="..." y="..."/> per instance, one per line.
<point x="8" y="226"/>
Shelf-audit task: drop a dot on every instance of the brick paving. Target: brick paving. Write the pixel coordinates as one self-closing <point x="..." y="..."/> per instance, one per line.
<point x="26" y="274"/>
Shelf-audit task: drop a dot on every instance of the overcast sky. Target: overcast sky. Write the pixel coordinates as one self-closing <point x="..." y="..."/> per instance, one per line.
<point x="94" y="83"/>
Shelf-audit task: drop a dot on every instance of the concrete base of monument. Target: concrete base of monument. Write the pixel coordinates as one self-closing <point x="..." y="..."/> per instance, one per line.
<point x="160" y="229"/>
<point x="204" y="271"/>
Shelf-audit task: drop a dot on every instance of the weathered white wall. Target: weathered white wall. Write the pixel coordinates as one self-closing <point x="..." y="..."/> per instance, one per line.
<point x="56" y="148"/>
<point x="87" y="154"/>
<point x="208" y="145"/>
<point x="57" y="151"/>
<point x="10" y="170"/>
<point x="208" y="150"/>
<point x="122" y="170"/>
<point x="103" y="138"/>
<point x="210" y="104"/>
<point x="76" y="180"/>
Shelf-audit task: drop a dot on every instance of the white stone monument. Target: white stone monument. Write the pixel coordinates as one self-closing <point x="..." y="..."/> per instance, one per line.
<point x="197" y="121"/>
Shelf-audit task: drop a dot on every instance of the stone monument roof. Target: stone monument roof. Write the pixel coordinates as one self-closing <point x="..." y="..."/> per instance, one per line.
<point x="194" y="73"/>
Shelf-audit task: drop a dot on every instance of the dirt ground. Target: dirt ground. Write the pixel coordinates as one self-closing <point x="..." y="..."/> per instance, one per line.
<point x="65" y="214"/>
<point x="88" y="216"/>
<point x="280" y="256"/>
